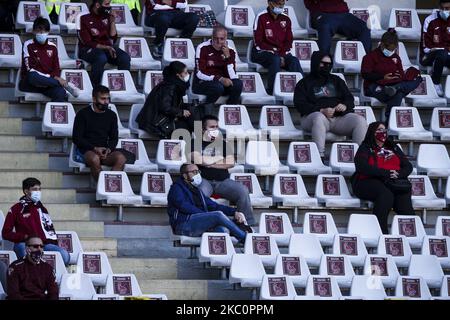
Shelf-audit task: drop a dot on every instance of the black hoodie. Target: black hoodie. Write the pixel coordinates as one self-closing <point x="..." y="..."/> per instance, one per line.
<point x="315" y="91"/>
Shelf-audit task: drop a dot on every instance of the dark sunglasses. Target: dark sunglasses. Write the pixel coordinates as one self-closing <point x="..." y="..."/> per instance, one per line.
<point x="36" y="246"/>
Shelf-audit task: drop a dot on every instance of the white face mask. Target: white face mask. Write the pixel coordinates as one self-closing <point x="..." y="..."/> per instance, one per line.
<point x="186" y="78"/>
<point x="213" y="134"/>
<point x="196" y="180"/>
<point x="35" y="196"/>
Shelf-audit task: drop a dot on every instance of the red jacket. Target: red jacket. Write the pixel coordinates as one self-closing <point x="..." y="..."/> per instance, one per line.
<point x="158" y="5"/>
<point x="437" y="35"/>
<point x="42" y="58"/>
<point x="375" y="65"/>
<point x="212" y="65"/>
<point x="25" y="218"/>
<point x="326" y="6"/>
<point x="273" y="34"/>
<point x="94" y="30"/>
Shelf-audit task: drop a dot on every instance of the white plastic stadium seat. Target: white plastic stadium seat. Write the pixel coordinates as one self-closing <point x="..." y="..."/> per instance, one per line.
<point x="80" y="79"/>
<point x="278" y="225"/>
<point x="297" y="30"/>
<point x="114" y="188"/>
<point x="276" y="121"/>
<point x="349" y="55"/>
<point x="440" y="123"/>
<point x="104" y="296"/>
<point x="294" y="267"/>
<point x="124" y="21"/>
<point x="276" y="287"/>
<point x="445" y="289"/>
<point x="77" y="285"/>
<point x="325" y="287"/>
<point x="425" y="95"/>
<point x="2" y="293"/>
<point x="411" y="227"/>
<point x="139" y="52"/>
<point x="217" y="249"/>
<point x="369" y="287"/>
<point x="235" y="121"/>
<point x="307" y="246"/>
<point x="142" y="163"/>
<point x="427" y="267"/>
<point x="250" y="181"/>
<point x="342" y="157"/>
<point x="339" y="267"/>
<point x="170" y="155"/>
<point x="123" y="284"/>
<point x="443" y="225"/>
<point x="414" y="288"/>
<point x="179" y="49"/>
<point x="121" y="86"/>
<point x="54" y="259"/>
<point x="372" y="17"/>
<point x="65" y="62"/>
<point x="367" y="226"/>
<point x="239" y="20"/>
<point x="10" y="51"/>
<point x="69" y="240"/>
<point x="151" y="80"/>
<point x="123" y="132"/>
<point x="58" y="119"/>
<point x="246" y="269"/>
<point x="253" y="91"/>
<point x="95" y="265"/>
<point x="406" y="62"/>
<point x="383" y="267"/>
<point x="304" y="158"/>
<point x="68" y="15"/>
<point x="397" y="247"/>
<point x="406" y="22"/>
<point x="439" y="247"/>
<point x="303" y="49"/>
<point x="264" y="245"/>
<point x="423" y="195"/>
<point x="240" y="65"/>
<point x="155" y="187"/>
<point x="253" y="65"/>
<point x="289" y="190"/>
<point x="405" y="123"/>
<point x="132" y="124"/>
<point x="262" y="157"/>
<point x="433" y="160"/>
<point x="356" y="98"/>
<point x="367" y="113"/>
<point x="332" y="190"/>
<point x="28" y="11"/>
<point x="321" y="225"/>
<point x="7" y="257"/>
<point x="201" y="30"/>
<point x="28" y="96"/>
<point x="284" y="86"/>
<point x="352" y="246"/>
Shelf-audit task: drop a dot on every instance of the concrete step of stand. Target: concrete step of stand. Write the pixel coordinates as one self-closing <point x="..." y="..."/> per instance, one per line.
<point x="61" y="212"/>
<point x="11" y="126"/>
<point x="106" y="245"/>
<point x="24" y="160"/>
<point x="89" y="229"/>
<point x="14" y="178"/>
<point x="17" y="143"/>
<point x="49" y="196"/>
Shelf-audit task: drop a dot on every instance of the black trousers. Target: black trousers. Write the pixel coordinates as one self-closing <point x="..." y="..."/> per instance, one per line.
<point x="383" y="200"/>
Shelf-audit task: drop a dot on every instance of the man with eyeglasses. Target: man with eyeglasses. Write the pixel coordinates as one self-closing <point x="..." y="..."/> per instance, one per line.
<point x="30" y="277"/>
<point x="30" y="217"/>
<point x="191" y="213"/>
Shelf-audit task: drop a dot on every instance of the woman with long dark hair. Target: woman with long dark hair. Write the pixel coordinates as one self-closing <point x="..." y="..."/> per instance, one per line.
<point x="381" y="173"/>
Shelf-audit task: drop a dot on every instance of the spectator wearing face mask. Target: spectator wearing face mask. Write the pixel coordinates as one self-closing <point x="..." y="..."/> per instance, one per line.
<point x="96" y="36"/>
<point x="40" y="71"/>
<point x="326" y="104"/>
<point x="214" y="158"/>
<point x="384" y="78"/>
<point x="30" y="217"/>
<point x="435" y="43"/>
<point x="30" y="277"/>
<point x="191" y="213"/>
<point x="273" y="42"/>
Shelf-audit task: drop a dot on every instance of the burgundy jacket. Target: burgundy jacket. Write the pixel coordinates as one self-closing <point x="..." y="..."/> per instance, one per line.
<point x="42" y="58"/>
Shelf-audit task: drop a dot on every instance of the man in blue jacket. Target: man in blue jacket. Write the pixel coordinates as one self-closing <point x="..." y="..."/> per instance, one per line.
<point x="191" y="213"/>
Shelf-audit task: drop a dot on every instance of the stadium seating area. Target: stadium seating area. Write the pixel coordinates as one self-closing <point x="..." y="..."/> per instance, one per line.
<point x="312" y="242"/>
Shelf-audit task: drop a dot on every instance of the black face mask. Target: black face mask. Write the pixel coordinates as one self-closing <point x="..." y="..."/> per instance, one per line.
<point x="102" y="106"/>
<point x="325" y="70"/>
<point x="105" y="10"/>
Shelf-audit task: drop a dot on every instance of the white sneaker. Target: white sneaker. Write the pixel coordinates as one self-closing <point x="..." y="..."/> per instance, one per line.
<point x="439" y="90"/>
<point x="74" y="91"/>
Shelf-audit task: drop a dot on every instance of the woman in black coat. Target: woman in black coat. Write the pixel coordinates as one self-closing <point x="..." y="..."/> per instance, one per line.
<point x="164" y="109"/>
<point x="380" y="166"/>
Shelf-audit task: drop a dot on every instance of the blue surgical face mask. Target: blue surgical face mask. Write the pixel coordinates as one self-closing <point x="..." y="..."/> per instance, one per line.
<point x="41" y="37"/>
<point x="278" y="10"/>
<point x="388" y="53"/>
<point x="444" y="14"/>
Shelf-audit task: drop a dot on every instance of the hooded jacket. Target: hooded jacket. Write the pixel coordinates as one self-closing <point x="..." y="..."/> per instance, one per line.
<point x="165" y="100"/>
<point x="316" y="91"/>
<point x="181" y="205"/>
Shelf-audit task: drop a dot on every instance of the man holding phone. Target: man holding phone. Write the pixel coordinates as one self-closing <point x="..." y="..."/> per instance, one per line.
<point x="215" y="73"/>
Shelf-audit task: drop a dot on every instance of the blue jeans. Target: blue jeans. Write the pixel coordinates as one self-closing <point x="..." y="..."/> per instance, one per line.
<point x="346" y="24"/>
<point x="177" y="19"/>
<point x="50" y="87"/>
<point x="98" y="58"/>
<point x="403" y="89"/>
<point x="214" y="90"/>
<point x="273" y="63"/>
<point x="19" y="249"/>
<point x="216" y="221"/>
